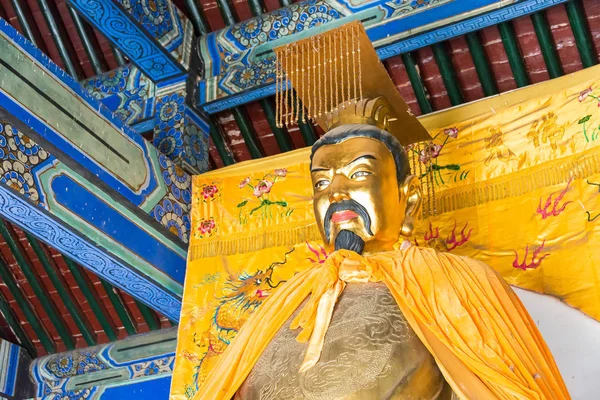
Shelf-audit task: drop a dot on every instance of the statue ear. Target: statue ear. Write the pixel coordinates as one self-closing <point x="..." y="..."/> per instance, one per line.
<point x="410" y="192"/>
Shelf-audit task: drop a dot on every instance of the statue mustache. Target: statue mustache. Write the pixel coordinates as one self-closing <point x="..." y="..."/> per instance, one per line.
<point x="349" y="205"/>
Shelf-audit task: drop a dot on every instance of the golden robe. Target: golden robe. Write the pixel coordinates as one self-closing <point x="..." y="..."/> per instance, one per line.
<point x="474" y="325"/>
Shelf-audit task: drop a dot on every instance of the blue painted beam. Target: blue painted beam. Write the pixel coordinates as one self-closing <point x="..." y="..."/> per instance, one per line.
<point x="137" y="367"/>
<point x="155" y="36"/>
<point x="15" y="382"/>
<point x="21" y="211"/>
<point x="178" y="131"/>
<point x="125" y="91"/>
<point x="66" y="120"/>
<point x="72" y="122"/>
<point x="79" y="169"/>
<point x="239" y="62"/>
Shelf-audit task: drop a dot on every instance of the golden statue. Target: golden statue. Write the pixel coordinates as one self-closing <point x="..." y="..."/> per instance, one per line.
<point x="376" y="320"/>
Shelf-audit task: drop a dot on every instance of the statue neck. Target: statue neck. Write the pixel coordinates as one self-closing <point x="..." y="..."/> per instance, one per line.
<point x="375" y="247"/>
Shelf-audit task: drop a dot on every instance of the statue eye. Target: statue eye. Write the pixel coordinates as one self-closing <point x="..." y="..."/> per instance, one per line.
<point x="360" y="174"/>
<point x="322" y="184"/>
<point x="258" y="281"/>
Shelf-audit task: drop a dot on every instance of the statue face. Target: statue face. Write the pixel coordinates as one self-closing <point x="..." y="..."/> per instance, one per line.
<point x="356" y="189"/>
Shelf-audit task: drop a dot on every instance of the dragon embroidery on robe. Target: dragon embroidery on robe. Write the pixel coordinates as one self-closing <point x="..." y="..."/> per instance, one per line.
<point x="242" y="294"/>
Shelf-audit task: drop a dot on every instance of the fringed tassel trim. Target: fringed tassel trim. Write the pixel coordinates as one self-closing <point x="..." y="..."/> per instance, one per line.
<point x="254" y="241"/>
<point x="323" y="71"/>
<point x="519" y="183"/>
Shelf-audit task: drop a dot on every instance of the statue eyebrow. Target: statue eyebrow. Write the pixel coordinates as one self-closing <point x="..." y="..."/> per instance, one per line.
<point x="318" y="170"/>
<point x="366" y="157"/>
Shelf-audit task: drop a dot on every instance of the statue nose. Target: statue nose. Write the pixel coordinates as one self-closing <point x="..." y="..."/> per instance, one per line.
<point x="338" y="191"/>
<point x="337" y="197"/>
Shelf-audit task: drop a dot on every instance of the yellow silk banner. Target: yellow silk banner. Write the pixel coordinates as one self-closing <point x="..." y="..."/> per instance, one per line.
<point x="517" y="181"/>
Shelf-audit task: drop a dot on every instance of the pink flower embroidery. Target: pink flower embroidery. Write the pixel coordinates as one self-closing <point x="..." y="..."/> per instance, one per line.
<point x="207" y="226"/>
<point x="281" y="172"/>
<point x="244" y="183"/>
<point x="430" y="152"/>
<point x="584" y="94"/>
<point x="209" y="191"/>
<point x="452" y="132"/>
<point x="263" y="187"/>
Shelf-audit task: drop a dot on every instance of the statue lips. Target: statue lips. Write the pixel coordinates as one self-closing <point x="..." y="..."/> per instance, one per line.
<point x="343" y="216"/>
<point x="347" y="210"/>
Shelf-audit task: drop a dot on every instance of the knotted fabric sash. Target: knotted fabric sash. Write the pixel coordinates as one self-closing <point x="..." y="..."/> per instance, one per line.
<point x="340" y="268"/>
<point x="471" y="321"/>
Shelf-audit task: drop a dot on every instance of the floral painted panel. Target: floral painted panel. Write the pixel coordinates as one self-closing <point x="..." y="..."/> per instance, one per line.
<point x="178" y="133"/>
<point x="173" y="210"/>
<point x="164" y="22"/>
<point x="20" y="158"/>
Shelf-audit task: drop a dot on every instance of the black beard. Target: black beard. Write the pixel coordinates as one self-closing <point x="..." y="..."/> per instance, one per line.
<point x="348" y="240"/>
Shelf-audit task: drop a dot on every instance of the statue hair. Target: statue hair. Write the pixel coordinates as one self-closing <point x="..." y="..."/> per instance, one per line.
<point x="349" y="131"/>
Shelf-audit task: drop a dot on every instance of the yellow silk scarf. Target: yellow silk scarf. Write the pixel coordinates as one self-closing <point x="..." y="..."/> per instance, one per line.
<point x="470" y="320"/>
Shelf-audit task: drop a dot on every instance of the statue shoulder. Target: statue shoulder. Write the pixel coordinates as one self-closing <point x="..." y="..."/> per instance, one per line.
<point x="439" y="260"/>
